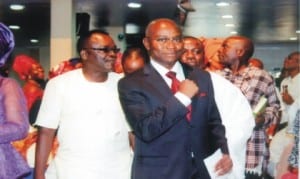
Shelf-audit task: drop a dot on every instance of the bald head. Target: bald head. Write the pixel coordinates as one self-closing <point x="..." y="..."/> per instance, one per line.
<point x="160" y="23"/>
<point x="245" y="44"/>
<point x="163" y="42"/>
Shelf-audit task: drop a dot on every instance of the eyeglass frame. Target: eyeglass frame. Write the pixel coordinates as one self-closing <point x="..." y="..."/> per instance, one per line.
<point x="104" y="49"/>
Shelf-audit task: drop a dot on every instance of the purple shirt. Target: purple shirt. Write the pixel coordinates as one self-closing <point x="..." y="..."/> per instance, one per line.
<point x="14" y="126"/>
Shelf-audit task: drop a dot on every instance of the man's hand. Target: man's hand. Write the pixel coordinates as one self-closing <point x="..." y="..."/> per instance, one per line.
<point x="188" y="87"/>
<point x="287" y="98"/>
<point x="224" y="165"/>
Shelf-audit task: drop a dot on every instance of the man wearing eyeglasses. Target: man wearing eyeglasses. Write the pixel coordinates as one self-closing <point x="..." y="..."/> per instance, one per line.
<point x="176" y="121"/>
<point x="82" y="107"/>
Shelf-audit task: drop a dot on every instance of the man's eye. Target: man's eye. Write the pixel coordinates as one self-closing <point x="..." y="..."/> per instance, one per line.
<point x="162" y="39"/>
<point x="177" y="39"/>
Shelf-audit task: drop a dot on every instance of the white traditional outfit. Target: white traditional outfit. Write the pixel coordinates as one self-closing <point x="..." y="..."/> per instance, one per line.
<point x="92" y="130"/>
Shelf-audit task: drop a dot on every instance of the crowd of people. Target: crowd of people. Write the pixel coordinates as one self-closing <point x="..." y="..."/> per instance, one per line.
<point x="185" y="108"/>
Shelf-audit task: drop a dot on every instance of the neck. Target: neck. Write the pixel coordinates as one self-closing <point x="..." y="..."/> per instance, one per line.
<point x="95" y="76"/>
<point x="236" y="68"/>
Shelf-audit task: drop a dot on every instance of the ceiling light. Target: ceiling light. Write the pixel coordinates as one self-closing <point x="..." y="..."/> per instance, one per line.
<point x="298" y="31"/>
<point x="227" y="16"/>
<point x="293" y="38"/>
<point x="233" y="32"/>
<point x="134" y="5"/>
<point x="15" y="27"/>
<point x="222" y="4"/>
<point x="131" y="28"/>
<point x="229" y="25"/>
<point x="34" y="40"/>
<point x="17" y="7"/>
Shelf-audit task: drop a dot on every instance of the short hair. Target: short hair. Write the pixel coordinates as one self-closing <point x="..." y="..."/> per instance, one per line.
<point x="84" y="37"/>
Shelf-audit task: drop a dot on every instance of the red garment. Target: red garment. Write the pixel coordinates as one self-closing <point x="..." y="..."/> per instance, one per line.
<point x="32" y="93"/>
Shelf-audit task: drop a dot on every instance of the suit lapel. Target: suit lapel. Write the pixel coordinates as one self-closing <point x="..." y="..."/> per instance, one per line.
<point x="156" y="79"/>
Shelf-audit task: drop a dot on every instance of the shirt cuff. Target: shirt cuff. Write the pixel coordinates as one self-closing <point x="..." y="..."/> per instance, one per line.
<point x="185" y="100"/>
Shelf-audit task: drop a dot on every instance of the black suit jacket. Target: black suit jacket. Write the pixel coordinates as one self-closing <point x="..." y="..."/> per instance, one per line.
<point x="165" y="140"/>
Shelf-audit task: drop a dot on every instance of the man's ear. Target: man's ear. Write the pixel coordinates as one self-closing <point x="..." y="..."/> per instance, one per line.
<point x="146" y="43"/>
<point x="83" y="54"/>
<point x="240" y="52"/>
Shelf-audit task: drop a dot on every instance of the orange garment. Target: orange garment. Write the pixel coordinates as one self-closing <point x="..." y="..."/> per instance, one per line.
<point x="22" y="146"/>
<point x="32" y="92"/>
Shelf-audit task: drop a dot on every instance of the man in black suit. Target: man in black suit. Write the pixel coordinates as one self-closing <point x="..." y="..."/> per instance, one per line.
<point x="174" y="131"/>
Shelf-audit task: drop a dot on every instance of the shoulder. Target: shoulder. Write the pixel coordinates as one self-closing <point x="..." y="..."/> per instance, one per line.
<point x="66" y="76"/>
<point x="9" y="82"/>
<point x="259" y="73"/>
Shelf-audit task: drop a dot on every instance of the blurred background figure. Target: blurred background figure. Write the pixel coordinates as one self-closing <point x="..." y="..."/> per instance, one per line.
<point x="133" y="59"/>
<point x="255" y="62"/>
<point x="193" y="52"/>
<point x="13" y="115"/>
<point x="211" y="46"/>
<point x="32" y="73"/>
<point x="281" y="144"/>
<point x="65" y="66"/>
<point x="290" y="88"/>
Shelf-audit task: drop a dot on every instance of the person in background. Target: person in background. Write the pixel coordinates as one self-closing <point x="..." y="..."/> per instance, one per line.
<point x="211" y="47"/>
<point x="281" y="144"/>
<point x="83" y="108"/>
<point x="65" y="66"/>
<point x="259" y="88"/>
<point x="255" y="62"/>
<point x="32" y="73"/>
<point x="14" y="121"/>
<point x="294" y="155"/>
<point x="290" y="88"/>
<point x="234" y="108"/>
<point x="193" y="52"/>
<point x="174" y="131"/>
<point x="134" y="58"/>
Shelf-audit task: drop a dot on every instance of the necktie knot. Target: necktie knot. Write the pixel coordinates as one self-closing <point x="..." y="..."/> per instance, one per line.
<point x="175" y="82"/>
<point x="171" y="74"/>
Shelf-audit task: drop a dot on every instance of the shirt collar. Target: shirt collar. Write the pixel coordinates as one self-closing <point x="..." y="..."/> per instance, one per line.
<point x="162" y="70"/>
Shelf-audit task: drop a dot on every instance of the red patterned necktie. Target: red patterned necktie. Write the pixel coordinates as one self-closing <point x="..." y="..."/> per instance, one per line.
<point x="174" y="87"/>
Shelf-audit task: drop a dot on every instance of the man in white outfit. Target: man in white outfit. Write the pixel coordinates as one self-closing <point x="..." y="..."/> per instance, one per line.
<point x="83" y="107"/>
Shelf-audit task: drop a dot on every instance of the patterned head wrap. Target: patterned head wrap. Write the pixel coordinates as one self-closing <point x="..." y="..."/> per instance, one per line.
<point x="65" y="66"/>
<point x="211" y="47"/>
<point x="7" y="43"/>
<point x="22" y="65"/>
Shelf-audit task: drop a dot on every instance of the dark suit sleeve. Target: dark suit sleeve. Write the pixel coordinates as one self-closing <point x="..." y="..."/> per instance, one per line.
<point x="149" y="113"/>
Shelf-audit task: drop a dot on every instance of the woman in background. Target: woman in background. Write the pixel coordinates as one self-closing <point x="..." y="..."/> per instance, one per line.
<point x="14" y="121"/>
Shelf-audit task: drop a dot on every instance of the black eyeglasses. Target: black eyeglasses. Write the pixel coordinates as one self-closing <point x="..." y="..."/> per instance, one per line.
<point x="105" y="49"/>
